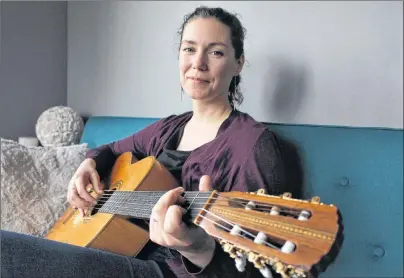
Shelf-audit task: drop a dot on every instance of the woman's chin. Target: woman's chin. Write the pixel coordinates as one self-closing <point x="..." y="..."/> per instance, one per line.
<point x="198" y="94"/>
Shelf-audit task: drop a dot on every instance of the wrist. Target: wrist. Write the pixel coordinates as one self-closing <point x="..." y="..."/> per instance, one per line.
<point x="201" y="254"/>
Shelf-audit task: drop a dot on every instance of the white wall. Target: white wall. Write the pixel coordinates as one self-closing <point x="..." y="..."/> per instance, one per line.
<point x="320" y="62"/>
<point x="33" y="63"/>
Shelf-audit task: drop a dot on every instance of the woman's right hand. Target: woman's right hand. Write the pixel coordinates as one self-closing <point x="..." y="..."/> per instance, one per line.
<point x="86" y="175"/>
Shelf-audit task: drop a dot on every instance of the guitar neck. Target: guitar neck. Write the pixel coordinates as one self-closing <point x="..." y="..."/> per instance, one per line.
<point x="139" y="204"/>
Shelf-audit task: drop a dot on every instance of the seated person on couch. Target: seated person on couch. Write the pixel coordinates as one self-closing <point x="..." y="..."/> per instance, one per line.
<point x="214" y="146"/>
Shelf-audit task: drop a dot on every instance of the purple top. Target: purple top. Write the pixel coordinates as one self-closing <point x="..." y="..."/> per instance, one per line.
<point x="244" y="156"/>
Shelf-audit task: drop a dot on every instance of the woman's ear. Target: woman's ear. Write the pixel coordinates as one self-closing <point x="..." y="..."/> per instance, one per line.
<point x="240" y="64"/>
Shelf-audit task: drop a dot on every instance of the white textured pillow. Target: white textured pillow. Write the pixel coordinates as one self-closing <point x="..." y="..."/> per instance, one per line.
<point x="34" y="184"/>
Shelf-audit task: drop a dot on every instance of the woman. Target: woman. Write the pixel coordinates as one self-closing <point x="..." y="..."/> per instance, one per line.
<point x="213" y="146"/>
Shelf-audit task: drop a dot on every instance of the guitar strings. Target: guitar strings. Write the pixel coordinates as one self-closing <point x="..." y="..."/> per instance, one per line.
<point x="232" y="225"/>
<point x="128" y="205"/>
<point x="265" y="207"/>
<point x="121" y="208"/>
<point x="135" y="204"/>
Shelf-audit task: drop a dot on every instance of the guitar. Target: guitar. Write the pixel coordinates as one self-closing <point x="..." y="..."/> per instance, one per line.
<point x="296" y="238"/>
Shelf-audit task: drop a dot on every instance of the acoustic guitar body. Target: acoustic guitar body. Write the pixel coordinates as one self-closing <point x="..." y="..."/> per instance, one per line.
<point x="110" y="232"/>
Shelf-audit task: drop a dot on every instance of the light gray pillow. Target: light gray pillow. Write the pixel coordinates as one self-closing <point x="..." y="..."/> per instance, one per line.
<point x="34" y="184"/>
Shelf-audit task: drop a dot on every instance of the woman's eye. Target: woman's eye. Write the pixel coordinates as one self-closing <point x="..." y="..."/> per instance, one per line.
<point x="217" y="53"/>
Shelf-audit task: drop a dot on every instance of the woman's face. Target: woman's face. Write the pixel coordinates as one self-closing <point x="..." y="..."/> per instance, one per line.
<point x="207" y="59"/>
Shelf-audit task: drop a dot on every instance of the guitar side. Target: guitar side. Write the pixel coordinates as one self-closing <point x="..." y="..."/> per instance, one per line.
<point x="109" y="232"/>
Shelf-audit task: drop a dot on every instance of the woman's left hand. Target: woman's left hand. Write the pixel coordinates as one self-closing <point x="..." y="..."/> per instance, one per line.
<point x="167" y="228"/>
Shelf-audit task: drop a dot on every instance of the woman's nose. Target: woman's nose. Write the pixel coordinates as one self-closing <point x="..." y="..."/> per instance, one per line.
<point x="199" y="62"/>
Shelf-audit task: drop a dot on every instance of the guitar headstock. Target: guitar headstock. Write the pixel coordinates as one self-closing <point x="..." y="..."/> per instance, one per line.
<point x="295" y="238"/>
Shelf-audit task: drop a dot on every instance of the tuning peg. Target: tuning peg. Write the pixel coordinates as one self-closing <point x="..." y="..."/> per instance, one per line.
<point x="287" y="195"/>
<point x="256" y="260"/>
<point x="275" y="210"/>
<point x="260" y="265"/>
<point x="315" y="200"/>
<point x="280" y="268"/>
<point x="288" y="247"/>
<point x="266" y="272"/>
<point x="304" y="215"/>
<point x="252" y="257"/>
<point x="250" y="205"/>
<point x="299" y="273"/>
<point x="241" y="262"/>
<point x="238" y="256"/>
<point x="229" y="248"/>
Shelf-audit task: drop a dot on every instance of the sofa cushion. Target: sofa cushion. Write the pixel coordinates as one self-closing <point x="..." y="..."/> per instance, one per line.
<point x="34" y="184"/>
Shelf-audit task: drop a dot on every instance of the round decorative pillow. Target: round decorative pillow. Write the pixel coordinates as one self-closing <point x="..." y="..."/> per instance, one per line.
<point x="59" y="126"/>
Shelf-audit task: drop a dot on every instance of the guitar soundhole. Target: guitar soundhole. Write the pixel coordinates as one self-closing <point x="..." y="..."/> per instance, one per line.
<point x="102" y="200"/>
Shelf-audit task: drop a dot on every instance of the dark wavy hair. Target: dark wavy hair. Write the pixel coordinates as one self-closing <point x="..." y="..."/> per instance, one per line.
<point x="237" y="38"/>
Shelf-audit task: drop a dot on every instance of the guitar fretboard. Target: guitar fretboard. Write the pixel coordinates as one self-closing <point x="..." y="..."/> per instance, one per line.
<point x="139" y="204"/>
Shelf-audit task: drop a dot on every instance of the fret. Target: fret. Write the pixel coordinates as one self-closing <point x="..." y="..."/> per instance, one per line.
<point x="192" y="201"/>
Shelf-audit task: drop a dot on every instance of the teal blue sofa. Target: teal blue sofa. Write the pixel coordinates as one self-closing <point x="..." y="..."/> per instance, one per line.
<point x="360" y="170"/>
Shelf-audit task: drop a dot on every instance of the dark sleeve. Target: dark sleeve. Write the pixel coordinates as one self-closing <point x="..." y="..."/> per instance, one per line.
<point x="263" y="168"/>
<point x="138" y="143"/>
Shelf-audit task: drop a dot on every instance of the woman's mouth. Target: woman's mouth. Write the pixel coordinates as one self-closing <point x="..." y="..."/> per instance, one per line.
<point x="198" y="80"/>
